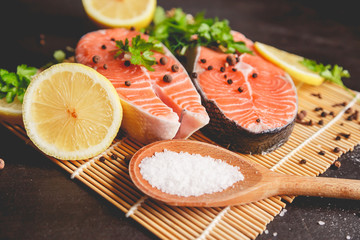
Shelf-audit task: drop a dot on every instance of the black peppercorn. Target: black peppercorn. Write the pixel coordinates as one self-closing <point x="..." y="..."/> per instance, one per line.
<point x="194" y="75"/>
<point x="96" y="59"/>
<point x="336" y="150"/>
<point x="167" y="78"/>
<point x="302" y="161"/>
<point x="175" y="68"/>
<point x="230" y="59"/>
<point x="127" y="83"/>
<point x="163" y="60"/>
<point x="127" y="63"/>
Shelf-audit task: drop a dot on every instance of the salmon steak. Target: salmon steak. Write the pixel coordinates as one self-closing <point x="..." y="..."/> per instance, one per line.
<point x="252" y="103"/>
<point x="154" y="108"/>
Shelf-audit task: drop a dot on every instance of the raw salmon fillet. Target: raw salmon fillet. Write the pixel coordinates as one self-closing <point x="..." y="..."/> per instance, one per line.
<point x="252" y="104"/>
<point x="153" y="109"/>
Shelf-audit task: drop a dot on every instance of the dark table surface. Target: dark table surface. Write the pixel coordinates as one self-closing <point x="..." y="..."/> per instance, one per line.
<point x="39" y="201"/>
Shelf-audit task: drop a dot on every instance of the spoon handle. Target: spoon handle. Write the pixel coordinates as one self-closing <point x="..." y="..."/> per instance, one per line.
<point x="320" y="186"/>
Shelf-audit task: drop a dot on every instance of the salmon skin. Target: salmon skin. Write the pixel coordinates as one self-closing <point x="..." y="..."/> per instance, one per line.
<point x="152" y="108"/>
<point x="252" y="104"/>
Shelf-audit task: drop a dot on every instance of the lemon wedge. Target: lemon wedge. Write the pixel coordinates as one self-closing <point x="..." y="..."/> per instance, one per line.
<point x="120" y="13"/>
<point x="71" y="112"/>
<point x="290" y="63"/>
<point x="11" y="112"/>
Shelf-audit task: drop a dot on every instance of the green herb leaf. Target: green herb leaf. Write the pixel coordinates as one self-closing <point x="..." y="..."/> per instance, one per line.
<point x="329" y="73"/>
<point x="14" y="84"/>
<point x="179" y="31"/>
<point x="141" y="51"/>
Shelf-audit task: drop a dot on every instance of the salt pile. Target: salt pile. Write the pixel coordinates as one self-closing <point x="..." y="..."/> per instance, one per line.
<point x="185" y="174"/>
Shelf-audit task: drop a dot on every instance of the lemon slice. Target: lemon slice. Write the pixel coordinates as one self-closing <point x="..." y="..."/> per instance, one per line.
<point x="120" y="13"/>
<point x="71" y="112"/>
<point x="11" y="112"/>
<point x="290" y="63"/>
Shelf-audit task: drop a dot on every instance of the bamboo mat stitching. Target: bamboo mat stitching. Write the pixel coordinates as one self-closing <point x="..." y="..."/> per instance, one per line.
<point x="134" y="207"/>
<point x="321" y="130"/>
<point x="81" y="168"/>
<point x="213" y="223"/>
<point x="218" y="226"/>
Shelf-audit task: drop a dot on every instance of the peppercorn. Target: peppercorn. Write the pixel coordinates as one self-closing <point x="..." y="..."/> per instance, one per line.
<point x="230" y="59"/>
<point x="102" y="159"/>
<point x="127" y="83"/>
<point x="96" y="59"/>
<point x="175" y="68"/>
<point x="210" y="67"/>
<point x="302" y="161"/>
<point x="112" y="39"/>
<point x="337" y="164"/>
<point x="240" y="89"/>
<point x="316" y="95"/>
<point x="237" y="59"/>
<point x="229" y="81"/>
<point x="225" y="76"/>
<point x="127" y="159"/>
<point x="323" y="114"/>
<point x="113" y="157"/>
<point x="105" y="66"/>
<point x="343" y="104"/>
<point x="167" y="78"/>
<point x="234" y="69"/>
<point x="348" y="110"/>
<point x="331" y="113"/>
<point x="222" y="69"/>
<point x="321" y="122"/>
<point x="203" y="60"/>
<point x="163" y="60"/>
<point x="338" y="138"/>
<point x="336" y="150"/>
<point x="132" y="28"/>
<point x="345" y="135"/>
<point x="2" y="164"/>
<point x="322" y="153"/>
<point x="258" y="120"/>
<point x="127" y="63"/>
<point x="254" y="75"/>
<point x="318" y="109"/>
<point x="194" y="75"/>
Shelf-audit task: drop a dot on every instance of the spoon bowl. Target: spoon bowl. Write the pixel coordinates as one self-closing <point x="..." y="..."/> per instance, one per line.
<point x="259" y="182"/>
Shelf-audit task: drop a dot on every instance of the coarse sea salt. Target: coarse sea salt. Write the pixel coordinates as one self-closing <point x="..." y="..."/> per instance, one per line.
<point x="186" y="174"/>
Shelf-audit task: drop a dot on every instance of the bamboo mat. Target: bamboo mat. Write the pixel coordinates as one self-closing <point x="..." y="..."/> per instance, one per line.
<point x="107" y="174"/>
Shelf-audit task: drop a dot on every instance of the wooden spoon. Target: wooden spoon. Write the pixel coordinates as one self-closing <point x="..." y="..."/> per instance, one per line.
<point x="259" y="182"/>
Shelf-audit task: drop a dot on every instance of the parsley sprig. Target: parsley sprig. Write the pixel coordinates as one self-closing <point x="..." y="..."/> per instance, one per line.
<point x="328" y="72"/>
<point x="14" y="84"/>
<point x="140" y="50"/>
<point x="179" y="32"/>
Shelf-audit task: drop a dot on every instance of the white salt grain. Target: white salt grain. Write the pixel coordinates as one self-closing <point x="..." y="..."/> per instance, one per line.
<point x="185" y="174"/>
<point x="282" y="213"/>
<point x="321" y="223"/>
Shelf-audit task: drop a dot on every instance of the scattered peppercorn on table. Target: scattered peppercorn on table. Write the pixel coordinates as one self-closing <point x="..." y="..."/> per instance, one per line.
<point x="39" y="200"/>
